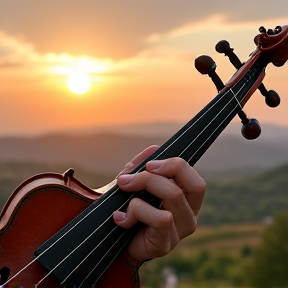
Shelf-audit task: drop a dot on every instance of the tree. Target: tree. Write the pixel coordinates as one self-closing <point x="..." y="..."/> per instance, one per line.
<point x="270" y="261"/>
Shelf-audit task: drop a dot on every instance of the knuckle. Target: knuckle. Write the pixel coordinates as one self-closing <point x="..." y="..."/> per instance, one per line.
<point x="179" y="164"/>
<point x="144" y="176"/>
<point x="176" y="194"/>
<point x="135" y="204"/>
<point x="190" y="229"/>
<point x="167" y="219"/>
<point x="201" y="186"/>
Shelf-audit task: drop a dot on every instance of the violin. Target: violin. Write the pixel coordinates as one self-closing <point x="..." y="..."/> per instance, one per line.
<point x="57" y="232"/>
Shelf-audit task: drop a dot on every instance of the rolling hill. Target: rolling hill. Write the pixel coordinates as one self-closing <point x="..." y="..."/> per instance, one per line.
<point x="107" y="152"/>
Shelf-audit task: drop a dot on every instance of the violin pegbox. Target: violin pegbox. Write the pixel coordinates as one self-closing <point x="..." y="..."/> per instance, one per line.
<point x="206" y="65"/>
<point x="273" y="43"/>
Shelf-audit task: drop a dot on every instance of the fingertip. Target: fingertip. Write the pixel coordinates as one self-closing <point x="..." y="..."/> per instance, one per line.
<point x="128" y="168"/>
<point x="124" y="179"/>
<point x="119" y="216"/>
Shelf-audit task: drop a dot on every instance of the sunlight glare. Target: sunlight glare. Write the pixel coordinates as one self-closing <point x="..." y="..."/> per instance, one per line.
<point x="79" y="83"/>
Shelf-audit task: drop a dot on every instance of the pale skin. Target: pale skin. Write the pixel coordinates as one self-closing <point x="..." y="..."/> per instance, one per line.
<point x="181" y="189"/>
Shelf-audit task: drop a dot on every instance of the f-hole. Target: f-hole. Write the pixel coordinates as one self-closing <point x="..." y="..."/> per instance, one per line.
<point x="4" y="274"/>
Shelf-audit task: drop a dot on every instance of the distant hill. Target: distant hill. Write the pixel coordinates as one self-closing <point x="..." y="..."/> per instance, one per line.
<point x="249" y="199"/>
<point x="244" y="200"/>
<point x="231" y="155"/>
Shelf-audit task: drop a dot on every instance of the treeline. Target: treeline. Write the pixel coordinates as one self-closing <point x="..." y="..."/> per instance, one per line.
<point x="204" y="269"/>
<point x="227" y="259"/>
<point x="251" y="199"/>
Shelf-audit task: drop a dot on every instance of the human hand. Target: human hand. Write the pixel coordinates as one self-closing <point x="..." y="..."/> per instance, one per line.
<point x="181" y="190"/>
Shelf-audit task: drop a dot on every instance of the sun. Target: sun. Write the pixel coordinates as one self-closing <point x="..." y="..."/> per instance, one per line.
<point x="79" y="83"/>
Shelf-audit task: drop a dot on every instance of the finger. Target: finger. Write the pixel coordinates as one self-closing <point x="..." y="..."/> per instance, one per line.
<point x="160" y="235"/>
<point x="174" y="199"/>
<point x="157" y="185"/>
<point x="138" y="159"/>
<point x="184" y="175"/>
<point x="139" y="210"/>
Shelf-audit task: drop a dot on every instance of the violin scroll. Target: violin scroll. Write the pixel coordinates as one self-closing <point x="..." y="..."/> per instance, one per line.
<point x="274" y="42"/>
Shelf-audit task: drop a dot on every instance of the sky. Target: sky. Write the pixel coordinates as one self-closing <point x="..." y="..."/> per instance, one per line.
<point x="138" y="54"/>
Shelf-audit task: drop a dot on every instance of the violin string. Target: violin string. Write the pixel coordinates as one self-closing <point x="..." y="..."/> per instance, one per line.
<point x="129" y="200"/>
<point x="139" y="169"/>
<point x="210" y="136"/>
<point x="218" y="125"/>
<point x="234" y="95"/>
<point x="124" y="244"/>
<point x="67" y="256"/>
<point x="172" y="143"/>
<point x="37" y="257"/>
<point x="119" y="237"/>
<point x="51" y="271"/>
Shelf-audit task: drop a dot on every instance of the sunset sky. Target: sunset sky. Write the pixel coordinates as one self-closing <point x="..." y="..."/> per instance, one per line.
<point x="138" y="54"/>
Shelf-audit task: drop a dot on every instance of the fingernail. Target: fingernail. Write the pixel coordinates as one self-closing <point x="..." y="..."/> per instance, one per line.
<point x="128" y="167"/>
<point x="125" y="179"/>
<point x="119" y="216"/>
<point x="155" y="164"/>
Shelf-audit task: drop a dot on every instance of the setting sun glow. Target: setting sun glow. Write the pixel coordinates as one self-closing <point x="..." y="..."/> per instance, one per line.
<point x="78" y="83"/>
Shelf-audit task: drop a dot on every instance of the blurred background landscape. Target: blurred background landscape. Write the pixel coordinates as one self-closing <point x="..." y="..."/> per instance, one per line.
<point x="92" y="83"/>
<point x="246" y="187"/>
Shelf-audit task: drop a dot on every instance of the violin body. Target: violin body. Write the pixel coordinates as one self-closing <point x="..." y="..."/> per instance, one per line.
<point x="39" y="208"/>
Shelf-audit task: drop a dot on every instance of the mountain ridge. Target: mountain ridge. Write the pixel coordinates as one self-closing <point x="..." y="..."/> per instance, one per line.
<point x="109" y="151"/>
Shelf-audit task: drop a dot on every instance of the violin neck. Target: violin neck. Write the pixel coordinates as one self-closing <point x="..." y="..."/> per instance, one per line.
<point x="83" y="250"/>
<point x="192" y="140"/>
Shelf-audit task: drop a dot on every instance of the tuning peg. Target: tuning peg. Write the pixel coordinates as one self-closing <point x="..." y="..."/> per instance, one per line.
<point x="251" y="128"/>
<point x="223" y="47"/>
<point x="272" y="98"/>
<point x="262" y="29"/>
<point x="277" y="30"/>
<point x="206" y="65"/>
<point x="270" y="32"/>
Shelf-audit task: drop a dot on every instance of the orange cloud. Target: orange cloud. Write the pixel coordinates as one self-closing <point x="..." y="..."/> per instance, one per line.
<point x="213" y="23"/>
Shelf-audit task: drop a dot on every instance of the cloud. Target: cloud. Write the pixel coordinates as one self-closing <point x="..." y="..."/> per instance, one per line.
<point x="116" y="29"/>
<point x="19" y="55"/>
<point x="213" y="23"/>
<point x="15" y="52"/>
<point x="22" y="58"/>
